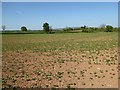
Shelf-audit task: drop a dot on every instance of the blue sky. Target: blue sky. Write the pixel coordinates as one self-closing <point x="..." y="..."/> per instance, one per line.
<point x="58" y="14"/>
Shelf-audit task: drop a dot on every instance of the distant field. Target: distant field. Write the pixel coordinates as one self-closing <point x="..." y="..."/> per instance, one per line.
<point x="78" y="60"/>
<point x="64" y="41"/>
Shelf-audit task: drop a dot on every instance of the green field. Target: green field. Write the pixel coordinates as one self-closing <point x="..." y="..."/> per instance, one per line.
<point x="60" y="60"/>
<point x="66" y="41"/>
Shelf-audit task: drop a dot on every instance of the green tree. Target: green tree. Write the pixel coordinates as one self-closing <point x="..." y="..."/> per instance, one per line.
<point x="23" y="28"/>
<point x="46" y="27"/>
<point x="109" y="28"/>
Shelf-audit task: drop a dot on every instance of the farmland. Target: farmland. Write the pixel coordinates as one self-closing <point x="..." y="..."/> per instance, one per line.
<point x="76" y="60"/>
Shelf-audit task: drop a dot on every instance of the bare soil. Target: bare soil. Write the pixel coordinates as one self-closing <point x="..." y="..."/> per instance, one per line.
<point x="87" y="69"/>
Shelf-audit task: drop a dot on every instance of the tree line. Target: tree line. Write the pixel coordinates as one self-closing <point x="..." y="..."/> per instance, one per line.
<point x="48" y="29"/>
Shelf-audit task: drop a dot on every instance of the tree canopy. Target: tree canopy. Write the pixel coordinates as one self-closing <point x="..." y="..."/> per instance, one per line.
<point x="46" y="27"/>
<point x="109" y="28"/>
<point x="23" y="28"/>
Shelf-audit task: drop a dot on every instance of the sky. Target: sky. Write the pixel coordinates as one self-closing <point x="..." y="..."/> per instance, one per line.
<point x="60" y="0"/>
<point x="58" y="14"/>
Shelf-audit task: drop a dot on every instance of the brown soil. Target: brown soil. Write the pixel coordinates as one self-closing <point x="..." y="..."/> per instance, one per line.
<point x="61" y="69"/>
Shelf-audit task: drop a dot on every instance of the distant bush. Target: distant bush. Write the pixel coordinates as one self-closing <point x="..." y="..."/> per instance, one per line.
<point x="23" y="28"/>
<point x="101" y="29"/>
<point x="84" y="27"/>
<point x="89" y="30"/>
<point x="68" y="29"/>
<point x="115" y="29"/>
<point x="79" y="28"/>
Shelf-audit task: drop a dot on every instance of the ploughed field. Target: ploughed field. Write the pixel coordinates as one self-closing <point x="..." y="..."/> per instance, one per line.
<point x="68" y="60"/>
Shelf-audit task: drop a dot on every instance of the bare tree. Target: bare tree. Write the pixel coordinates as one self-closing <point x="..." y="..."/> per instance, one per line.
<point x="3" y="27"/>
<point x="102" y="25"/>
